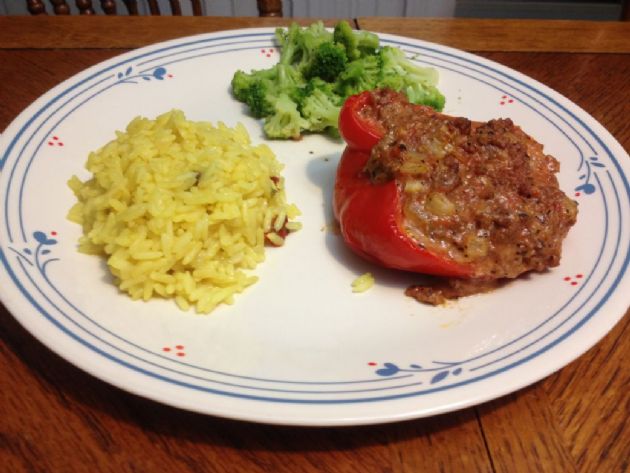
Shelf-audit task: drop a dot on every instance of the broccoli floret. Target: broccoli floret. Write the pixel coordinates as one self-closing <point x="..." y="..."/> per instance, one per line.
<point x="286" y="121"/>
<point x="313" y="83"/>
<point x="416" y="92"/>
<point x="241" y="82"/>
<point x="360" y="75"/>
<point x="320" y="105"/>
<point x="289" y="41"/>
<point x="321" y="111"/>
<point x="357" y="43"/>
<point x="257" y="98"/>
<point x="316" y="83"/>
<point x="253" y="89"/>
<point x="298" y="45"/>
<point x="259" y="88"/>
<point x="417" y="82"/>
<point x="312" y="37"/>
<point x="425" y="95"/>
<point x="286" y="78"/>
<point x="394" y="62"/>
<point x="328" y="61"/>
<point x="391" y="81"/>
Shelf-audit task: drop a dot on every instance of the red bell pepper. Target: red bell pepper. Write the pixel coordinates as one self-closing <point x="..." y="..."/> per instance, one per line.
<point x="370" y="214"/>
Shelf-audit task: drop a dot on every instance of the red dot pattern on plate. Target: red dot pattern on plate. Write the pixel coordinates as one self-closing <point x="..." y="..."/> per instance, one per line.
<point x="178" y="350"/>
<point x="170" y="76"/>
<point x="371" y="363"/>
<point x="573" y="280"/>
<point x="53" y="233"/>
<point x="267" y="52"/>
<point x="578" y="194"/>
<point x="505" y="99"/>
<point x="54" y="141"/>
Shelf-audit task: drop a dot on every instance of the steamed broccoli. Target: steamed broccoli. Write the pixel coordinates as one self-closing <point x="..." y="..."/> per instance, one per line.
<point x="290" y="46"/>
<point x="287" y="78"/>
<point x="286" y="121"/>
<point x="318" y="69"/>
<point x="258" y="98"/>
<point x="418" y="83"/>
<point x="259" y="88"/>
<point x="394" y="61"/>
<point x="242" y="81"/>
<point x="321" y="110"/>
<point x="356" y="43"/>
<point x="253" y="89"/>
<point x="320" y="105"/>
<point x="328" y="61"/>
<point x="425" y="95"/>
<point x="312" y="36"/>
<point x="360" y="75"/>
<point x="298" y="45"/>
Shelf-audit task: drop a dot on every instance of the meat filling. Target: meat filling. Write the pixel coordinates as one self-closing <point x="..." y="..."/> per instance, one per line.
<point x="483" y="194"/>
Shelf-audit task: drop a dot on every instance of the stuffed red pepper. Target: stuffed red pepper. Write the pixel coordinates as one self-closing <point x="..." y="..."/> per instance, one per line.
<point x="421" y="191"/>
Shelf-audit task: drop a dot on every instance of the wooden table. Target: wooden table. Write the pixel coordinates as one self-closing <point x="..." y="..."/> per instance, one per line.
<point x="56" y="418"/>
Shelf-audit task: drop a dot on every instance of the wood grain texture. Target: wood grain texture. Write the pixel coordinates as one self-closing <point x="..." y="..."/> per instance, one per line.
<point x="46" y="31"/>
<point x="472" y="35"/>
<point x="510" y="35"/>
<point x="60" y="419"/>
<point x="56" y="418"/>
<point x="512" y="428"/>
<point x="570" y="404"/>
<point x="595" y="390"/>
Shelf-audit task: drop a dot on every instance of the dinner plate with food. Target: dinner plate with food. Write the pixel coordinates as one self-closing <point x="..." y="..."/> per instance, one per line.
<point x="312" y="226"/>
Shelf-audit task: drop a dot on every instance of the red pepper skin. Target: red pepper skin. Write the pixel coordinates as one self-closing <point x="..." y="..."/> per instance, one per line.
<point x="369" y="214"/>
<point x="357" y="131"/>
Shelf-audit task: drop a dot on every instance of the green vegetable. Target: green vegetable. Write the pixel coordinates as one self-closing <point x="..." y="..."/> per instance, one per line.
<point x="417" y="82"/>
<point x="424" y="94"/>
<point x="328" y="61"/>
<point x="285" y="121"/>
<point x="361" y="74"/>
<point x="318" y="69"/>
<point x="394" y="62"/>
<point x="320" y="105"/>
<point x="356" y="43"/>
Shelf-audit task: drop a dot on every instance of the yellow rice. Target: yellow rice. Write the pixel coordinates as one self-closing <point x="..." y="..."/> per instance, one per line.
<point x="181" y="209"/>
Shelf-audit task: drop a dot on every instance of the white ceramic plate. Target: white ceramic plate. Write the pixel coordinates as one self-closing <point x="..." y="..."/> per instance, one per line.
<point x="299" y="347"/>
